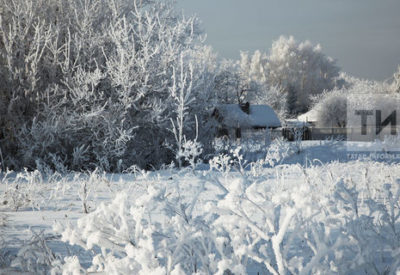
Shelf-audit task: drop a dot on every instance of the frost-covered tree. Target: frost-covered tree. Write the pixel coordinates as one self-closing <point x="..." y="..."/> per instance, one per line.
<point x="89" y="82"/>
<point x="301" y="66"/>
<point x="298" y="71"/>
<point x="332" y="110"/>
<point x="396" y="81"/>
<point x="227" y="82"/>
<point x="252" y="68"/>
<point x="233" y="85"/>
<point x="332" y="107"/>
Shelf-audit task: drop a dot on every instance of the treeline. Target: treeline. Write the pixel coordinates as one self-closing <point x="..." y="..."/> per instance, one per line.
<point x="95" y="83"/>
<point x="116" y="83"/>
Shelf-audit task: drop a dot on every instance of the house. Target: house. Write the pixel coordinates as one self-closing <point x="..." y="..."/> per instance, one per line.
<point x="293" y="127"/>
<point x="312" y="128"/>
<point x="311" y="117"/>
<point x="302" y="125"/>
<point x="234" y="119"/>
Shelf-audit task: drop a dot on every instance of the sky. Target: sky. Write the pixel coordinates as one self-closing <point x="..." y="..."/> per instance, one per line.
<point x="362" y="35"/>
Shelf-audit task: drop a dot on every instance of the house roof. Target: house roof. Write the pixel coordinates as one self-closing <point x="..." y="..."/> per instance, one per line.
<point x="291" y="123"/>
<point x="310" y="116"/>
<point x="259" y="116"/>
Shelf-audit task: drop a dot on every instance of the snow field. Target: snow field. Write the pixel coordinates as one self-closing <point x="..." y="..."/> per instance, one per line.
<point x="331" y="218"/>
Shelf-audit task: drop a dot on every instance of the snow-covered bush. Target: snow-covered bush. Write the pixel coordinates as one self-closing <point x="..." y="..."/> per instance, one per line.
<point x="156" y="233"/>
<point x="22" y="190"/>
<point x="88" y="82"/>
<point x="184" y="149"/>
<point x="336" y="217"/>
<point x="278" y="151"/>
<point x="35" y="256"/>
<point x="35" y="190"/>
<point x="257" y="218"/>
<point x="372" y="220"/>
<point x="314" y="221"/>
<point x="113" y="228"/>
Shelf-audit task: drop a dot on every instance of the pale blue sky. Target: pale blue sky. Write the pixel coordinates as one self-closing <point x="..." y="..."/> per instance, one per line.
<point x="363" y="35"/>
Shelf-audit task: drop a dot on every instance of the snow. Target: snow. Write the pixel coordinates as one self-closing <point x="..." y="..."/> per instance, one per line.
<point x="298" y="215"/>
<point x="263" y="206"/>
<point x="295" y="123"/>
<point x="260" y="116"/>
<point x="263" y="116"/>
<point x="310" y="116"/>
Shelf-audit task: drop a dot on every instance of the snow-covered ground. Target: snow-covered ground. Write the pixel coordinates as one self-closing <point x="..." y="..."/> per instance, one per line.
<point x="316" y="212"/>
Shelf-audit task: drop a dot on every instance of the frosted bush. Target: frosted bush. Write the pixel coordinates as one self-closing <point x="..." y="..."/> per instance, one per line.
<point x="278" y="150"/>
<point x="222" y="163"/>
<point x="152" y="234"/>
<point x="112" y="229"/>
<point x="262" y="219"/>
<point x="373" y="223"/>
<point x="71" y="266"/>
<point x="316" y="222"/>
<point x="192" y="151"/>
<point x="22" y="190"/>
<point x="35" y="256"/>
<point x="337" y="217"/>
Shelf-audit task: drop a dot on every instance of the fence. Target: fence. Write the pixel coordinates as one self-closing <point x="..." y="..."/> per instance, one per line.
<point x="353" y="134"/>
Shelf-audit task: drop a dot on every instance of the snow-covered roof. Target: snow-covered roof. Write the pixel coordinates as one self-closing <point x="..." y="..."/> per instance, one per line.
<point x="310" y="116"/>
<point x="259" y="116"/>
<point x="291" y="123"/>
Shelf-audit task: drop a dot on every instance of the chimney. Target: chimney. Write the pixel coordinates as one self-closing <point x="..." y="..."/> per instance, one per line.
<point x="245" y="107"/>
